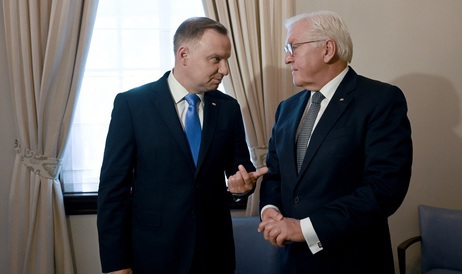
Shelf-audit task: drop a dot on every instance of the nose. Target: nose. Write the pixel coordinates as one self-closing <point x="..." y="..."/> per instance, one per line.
<point x="223" y="67"/>
<point x="288" y="58"/>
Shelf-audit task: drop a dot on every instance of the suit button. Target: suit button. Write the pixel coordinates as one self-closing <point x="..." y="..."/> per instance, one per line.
<point x="296" y="200"/>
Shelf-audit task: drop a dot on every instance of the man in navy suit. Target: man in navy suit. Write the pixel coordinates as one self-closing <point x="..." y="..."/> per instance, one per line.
<point x="159" y="211"/>
<point x="331" y="216"/>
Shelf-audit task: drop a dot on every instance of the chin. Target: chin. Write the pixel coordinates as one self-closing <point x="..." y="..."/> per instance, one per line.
<point x="298" y="83"/>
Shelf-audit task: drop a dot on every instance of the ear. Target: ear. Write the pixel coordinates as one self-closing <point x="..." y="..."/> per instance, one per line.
<point x="330" y="50"/>
<point x="182" y="54"/>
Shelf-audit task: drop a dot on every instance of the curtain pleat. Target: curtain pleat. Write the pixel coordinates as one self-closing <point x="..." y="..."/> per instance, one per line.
<point x="47" y="44"/>
<point x="258" y="77"/>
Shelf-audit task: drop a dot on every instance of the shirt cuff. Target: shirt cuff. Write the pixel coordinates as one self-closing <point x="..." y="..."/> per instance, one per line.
<point x="239" y="196"/>
<point x="268" y="206"/>
<point x="310" y="235"/>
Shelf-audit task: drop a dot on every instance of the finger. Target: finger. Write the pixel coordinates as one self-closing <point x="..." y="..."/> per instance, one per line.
<point x="274" y="234"/>
<point x="266" y="225"/>
<point x="266" y="235"/>
<point x="279" y="217"/>
<point x="275" y="215"/>
<point x="269" y="239"/>
<point x="280" y="240"/>
<point x="244" y="174"/>
<point x="261" y="227"/>
<point x="261" y="171"/>
<point x="233" y="182"/>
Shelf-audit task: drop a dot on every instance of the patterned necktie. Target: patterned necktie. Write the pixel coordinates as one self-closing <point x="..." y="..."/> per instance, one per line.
<point x="193" y="126"/>
<point x="307" y="127"/>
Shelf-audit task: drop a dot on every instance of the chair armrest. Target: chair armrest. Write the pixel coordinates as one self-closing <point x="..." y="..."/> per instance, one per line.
<point x="402" y="252"/>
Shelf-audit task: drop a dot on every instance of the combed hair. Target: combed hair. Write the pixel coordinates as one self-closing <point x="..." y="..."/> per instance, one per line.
<point x="327" y="25"/>
<point x="193" y="28"/>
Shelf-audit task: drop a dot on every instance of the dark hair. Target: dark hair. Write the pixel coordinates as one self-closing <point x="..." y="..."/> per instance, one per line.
<point x="193" y="29"/>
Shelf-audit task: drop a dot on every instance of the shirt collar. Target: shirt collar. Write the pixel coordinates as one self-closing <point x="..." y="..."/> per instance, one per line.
<point x="329" y="89"/>
<point x="177" y="90"/>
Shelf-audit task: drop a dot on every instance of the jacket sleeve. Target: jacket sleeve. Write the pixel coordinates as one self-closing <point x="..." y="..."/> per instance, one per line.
<point x="114" y="194"/>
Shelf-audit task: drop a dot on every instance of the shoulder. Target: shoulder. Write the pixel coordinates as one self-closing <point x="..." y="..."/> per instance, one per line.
<point x="299" y="98"/>
<point x="364" y="81"/>
<point x="220" y="97"/>
<point x="372" y="88"/>
<point x="368" y="89"/>
<point x="365" y="84"/>
<point x="146" y="90"/>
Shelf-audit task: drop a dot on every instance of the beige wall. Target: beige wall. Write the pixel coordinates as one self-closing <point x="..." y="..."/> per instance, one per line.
<point x="414" y="44"/>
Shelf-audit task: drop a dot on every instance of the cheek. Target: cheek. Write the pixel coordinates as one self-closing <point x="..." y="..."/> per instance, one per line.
<point x="204" y="68"/>
<point x="302" y="63"/>
<point x="305" y="67"/>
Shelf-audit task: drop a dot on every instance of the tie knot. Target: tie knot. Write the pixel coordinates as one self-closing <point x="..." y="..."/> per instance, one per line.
<point x="192" y="99"/>
<point x="317" y="97"/>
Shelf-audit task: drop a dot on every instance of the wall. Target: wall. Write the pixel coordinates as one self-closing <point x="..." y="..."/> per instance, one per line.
<point x="413" y="44"/>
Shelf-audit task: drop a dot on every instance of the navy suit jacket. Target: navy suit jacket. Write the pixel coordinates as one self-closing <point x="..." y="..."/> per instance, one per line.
<point x="156" y="210"/>
<point x="355" y="174"/>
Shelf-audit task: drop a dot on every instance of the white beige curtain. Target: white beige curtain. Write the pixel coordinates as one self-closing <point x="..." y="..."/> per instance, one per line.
<point x="258" y="77"/>
<point x="47" y="43"/>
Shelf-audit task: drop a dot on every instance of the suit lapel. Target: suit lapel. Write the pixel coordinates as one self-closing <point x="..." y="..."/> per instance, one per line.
<point x="160" y="97"/>
<point x="211" y="107"/>
<point x="338" y="104"/>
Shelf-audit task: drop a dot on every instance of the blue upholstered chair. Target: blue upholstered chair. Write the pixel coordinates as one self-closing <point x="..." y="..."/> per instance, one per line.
<point x="441" y="241"/>
<point x="254" y="255"/>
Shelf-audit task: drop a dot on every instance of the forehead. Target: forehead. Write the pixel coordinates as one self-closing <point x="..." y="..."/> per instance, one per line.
<point x="215" y="43"/>
<point x="298" y="31"/>
<point x="213" y="34"/>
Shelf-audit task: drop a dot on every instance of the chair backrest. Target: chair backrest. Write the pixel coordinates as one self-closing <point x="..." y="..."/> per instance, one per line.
<point x="253" y="253"/>
<point x="441" y="231"/>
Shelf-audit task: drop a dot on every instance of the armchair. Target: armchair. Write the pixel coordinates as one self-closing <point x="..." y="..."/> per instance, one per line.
<point x="253" y="253"/>
<point x="441" y="241"/>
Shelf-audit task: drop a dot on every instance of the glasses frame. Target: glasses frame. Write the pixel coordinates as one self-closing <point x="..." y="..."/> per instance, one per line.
<point x="290" y="47"/>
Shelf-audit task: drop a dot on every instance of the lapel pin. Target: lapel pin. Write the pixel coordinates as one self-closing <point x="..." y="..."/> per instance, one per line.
<point x="342" y="99"/>
<point x="214" y="104"/>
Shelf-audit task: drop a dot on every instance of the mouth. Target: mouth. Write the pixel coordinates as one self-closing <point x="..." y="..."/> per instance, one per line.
<point x="216" y="80"/>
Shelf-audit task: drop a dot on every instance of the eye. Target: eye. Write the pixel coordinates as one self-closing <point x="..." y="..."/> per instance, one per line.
<point x="215" y="59"/>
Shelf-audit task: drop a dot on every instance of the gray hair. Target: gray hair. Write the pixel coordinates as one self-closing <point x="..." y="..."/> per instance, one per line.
<point x="327" y="25"/>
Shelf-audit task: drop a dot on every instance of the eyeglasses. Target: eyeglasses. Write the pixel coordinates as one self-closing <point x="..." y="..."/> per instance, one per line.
<point x="290" y="47"/>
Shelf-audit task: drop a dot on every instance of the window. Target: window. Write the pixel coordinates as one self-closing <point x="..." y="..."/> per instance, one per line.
<point x="132" y="44"/>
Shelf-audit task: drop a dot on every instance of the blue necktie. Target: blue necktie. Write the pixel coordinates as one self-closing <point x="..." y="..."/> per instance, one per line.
<point x="307" y="128"/>
<point x="193" y="125"/>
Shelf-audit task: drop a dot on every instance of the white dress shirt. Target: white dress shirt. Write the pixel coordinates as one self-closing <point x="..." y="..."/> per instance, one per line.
<point x="178" y="93"/>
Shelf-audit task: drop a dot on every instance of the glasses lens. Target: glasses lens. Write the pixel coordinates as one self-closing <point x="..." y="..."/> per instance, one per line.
<point x="288" y="48"/>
